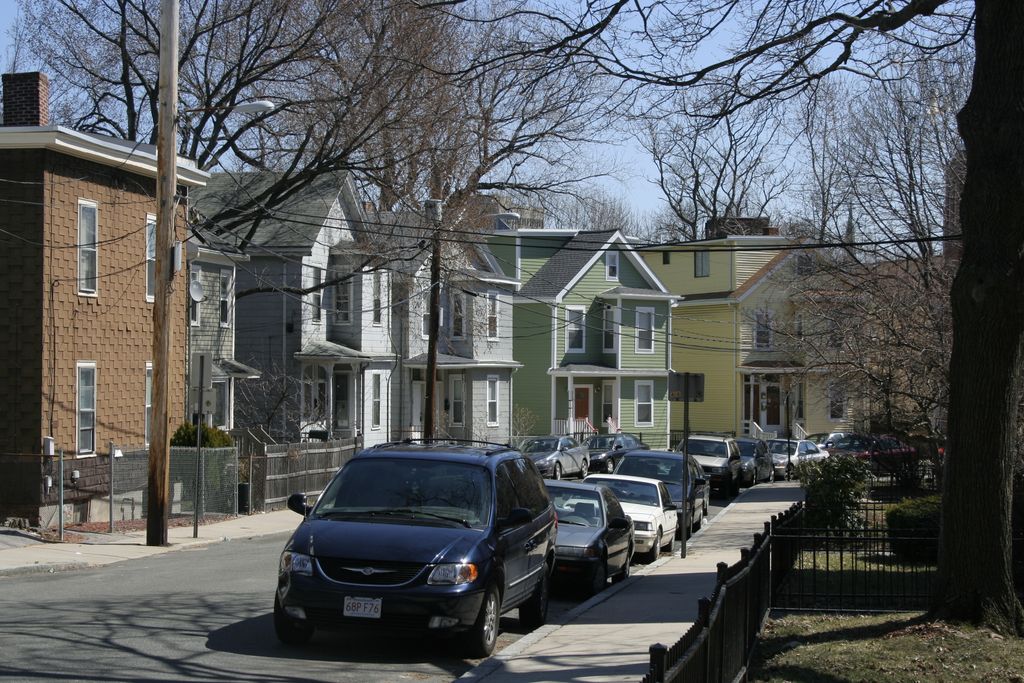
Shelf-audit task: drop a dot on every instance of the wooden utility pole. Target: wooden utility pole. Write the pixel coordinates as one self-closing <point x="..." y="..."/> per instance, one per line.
<point x="433" y="207"/>
<point x="166" y="189"/>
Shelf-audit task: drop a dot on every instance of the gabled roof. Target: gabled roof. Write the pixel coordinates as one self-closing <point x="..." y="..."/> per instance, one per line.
<point x="743" y="290"/>
<point x="294" y="221"/>
<point x="319" y="349"/>
<point x="450" y="362"/>
<point x="567" y="265"/>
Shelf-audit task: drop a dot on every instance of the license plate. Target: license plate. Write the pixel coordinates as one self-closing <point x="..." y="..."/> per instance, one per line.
<point x="367" y="608"/>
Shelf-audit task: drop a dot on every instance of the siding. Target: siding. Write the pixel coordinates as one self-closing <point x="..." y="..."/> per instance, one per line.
<point x="532" y="323"/>
<point x="630" y="358"/>
<point x="503" y="248"/>
<point x="703" y="344"/>
<point x="536" y="250"/>
<point x="678" y="276"/>
<point x="748" y="263"/>
<point x="654" y="436"/>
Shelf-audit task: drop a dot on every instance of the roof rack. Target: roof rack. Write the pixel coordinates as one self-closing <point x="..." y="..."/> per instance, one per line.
<point x="500" y="447"/>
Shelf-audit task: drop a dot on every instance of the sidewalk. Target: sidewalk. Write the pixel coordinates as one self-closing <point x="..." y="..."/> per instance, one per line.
<point x="20" y="556"/>
<point x="607" y="638"/>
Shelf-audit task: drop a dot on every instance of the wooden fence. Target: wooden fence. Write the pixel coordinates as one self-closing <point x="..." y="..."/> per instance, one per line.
<point x="278" y="470"/>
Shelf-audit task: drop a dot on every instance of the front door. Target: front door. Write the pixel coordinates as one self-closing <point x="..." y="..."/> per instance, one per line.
<point x="581" y="404"/>
<point x="772" y="409"/>
<point x="418" y="393"/>
<point x="342" y="402"/>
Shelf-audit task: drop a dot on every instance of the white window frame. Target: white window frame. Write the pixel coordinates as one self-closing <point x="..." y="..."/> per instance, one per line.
<point x="640" y="311"/>
<point x="836" y="394"/>
<point x="226" y="294"/>
<point x="763" y="326"/>
<point x="343" y="315"/>
<point x="492" y="315"/>
<point x="611" y="265"/>
<point x="608" y="399"/>
<point x="425" y="320"/>
<point x="492" y="398"/>
<point x="702" y="263"/>
<point x="90" y="247"/>
<point x="376" y="400"/>
<point x="569" y="325"/>
<point x="227" y="403"/>
<point x="316" y="296"/>
<point x="79" y="366"/>
<point x="609" y="325"/>
<point x="458" y="306"/>
<point x="148" y="409"/>
<point x="195" y="274"/>
<point x="377" y="298"/>
<point x="150" y="257"/>
<point x="649" y="384"/>
<point x="457" y="380"/>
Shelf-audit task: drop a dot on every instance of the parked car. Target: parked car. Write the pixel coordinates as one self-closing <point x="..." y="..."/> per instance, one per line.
<point x="648" y="504"/>
<point x="607" y="449"/>
<point x="557" y="456"/>
<point x="886" y="455"/>
<point x="720" y="458"/>
<point x="420" y="537"/>
<point x="595" y="537"/>
<point x="825" y="440"/>
<point x="755" y="461"/>
<point x="667" y="466"/>
<point x="788" y="453"/>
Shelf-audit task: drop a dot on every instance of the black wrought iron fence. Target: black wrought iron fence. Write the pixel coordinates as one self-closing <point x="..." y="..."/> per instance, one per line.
<point x="719" y="644"/>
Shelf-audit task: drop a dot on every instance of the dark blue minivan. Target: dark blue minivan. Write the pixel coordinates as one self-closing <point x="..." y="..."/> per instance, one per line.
<point x="412" y="536"/>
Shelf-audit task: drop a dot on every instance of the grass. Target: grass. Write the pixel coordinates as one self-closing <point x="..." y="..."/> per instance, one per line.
<point x="883" y="647"/>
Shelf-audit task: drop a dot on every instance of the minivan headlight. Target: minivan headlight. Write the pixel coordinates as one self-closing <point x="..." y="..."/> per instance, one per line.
<point x="453" y="574"/>
<point x="296" y="563"/>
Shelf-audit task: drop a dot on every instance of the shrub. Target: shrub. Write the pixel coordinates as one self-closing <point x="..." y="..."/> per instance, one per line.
<point x="915" y="518"/>
<point x="834" y="486"/>
<point x="185" y="436"/>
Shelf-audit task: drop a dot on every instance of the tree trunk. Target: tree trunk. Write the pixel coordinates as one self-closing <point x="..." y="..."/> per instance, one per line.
<point x="975" y="580"/>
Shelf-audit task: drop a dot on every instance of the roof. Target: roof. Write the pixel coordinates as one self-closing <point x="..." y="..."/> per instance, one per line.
<point x="749" y="284"/>
<point x="450" y="362"/>
<point x="293" y="220"/>
<point x="232" y="368"/>
<point x="565" y="264"/>
<point x="319" y="349"/>
<point x="634" y="293"/>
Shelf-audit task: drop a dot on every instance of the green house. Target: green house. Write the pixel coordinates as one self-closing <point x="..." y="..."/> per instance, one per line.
<point x="591" y="325"/>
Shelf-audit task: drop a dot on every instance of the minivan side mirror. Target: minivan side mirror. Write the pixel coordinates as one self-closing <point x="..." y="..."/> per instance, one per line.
<point x="297" y="503"/>
<point x="618" y="523"/>
<point x="517" y="517"/>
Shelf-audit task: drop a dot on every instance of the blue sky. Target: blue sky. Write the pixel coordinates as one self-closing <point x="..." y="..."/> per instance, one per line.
<point x="634" y="187"/>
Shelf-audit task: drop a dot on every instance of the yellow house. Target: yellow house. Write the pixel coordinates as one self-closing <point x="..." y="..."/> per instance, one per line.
<point x="736" y="324"/>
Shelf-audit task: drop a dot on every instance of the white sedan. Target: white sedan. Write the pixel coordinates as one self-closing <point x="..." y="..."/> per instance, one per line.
<point x="793" y="452"/>
<point x="649" y="505"/>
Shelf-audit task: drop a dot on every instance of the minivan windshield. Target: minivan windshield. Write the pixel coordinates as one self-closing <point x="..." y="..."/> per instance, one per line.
<point x="407" y="489"/>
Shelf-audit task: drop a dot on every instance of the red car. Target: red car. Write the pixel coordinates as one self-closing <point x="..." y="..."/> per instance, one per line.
<point x="886" y="454"/>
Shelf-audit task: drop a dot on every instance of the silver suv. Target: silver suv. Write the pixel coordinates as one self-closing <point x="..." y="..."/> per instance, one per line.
<point x="719" y="456"/>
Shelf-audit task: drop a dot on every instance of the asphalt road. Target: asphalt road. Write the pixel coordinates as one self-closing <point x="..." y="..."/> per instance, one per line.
<point x="202" y="615"/>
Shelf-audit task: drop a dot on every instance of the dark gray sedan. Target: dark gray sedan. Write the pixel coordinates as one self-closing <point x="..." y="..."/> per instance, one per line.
<point x="595" y="537"/>
<point x="557" y="456"/>
<point x="607" y="449"/>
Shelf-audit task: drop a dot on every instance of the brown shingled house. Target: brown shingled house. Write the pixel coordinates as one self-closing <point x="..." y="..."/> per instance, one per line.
<point x="77" y="212"/>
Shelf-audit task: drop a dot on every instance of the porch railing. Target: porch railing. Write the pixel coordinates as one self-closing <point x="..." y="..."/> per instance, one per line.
<point x="573" y="425"/>
<point x="799" y="432"/>
<point x="758" y="433"/>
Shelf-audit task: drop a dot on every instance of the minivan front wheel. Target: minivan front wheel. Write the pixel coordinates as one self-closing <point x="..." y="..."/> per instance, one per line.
<point x="479" y="641"/>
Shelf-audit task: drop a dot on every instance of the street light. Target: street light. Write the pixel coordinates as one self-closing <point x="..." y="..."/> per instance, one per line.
<point x="257" y="107"/>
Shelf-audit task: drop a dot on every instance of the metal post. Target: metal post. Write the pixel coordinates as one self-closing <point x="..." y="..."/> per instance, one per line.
<point x="658" y="655"/>
<point x="110" y="450"/>
<point x="197" y="504"/>
<point x="433" y="207"/>
<point x="60" y="496"/>
<point x="166" y="187"/>
<point x="686" y="459"/>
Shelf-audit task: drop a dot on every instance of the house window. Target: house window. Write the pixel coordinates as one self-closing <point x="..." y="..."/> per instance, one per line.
<point x="88" y="251"/>
<point x="645" y="330"/>
<point x="376" y="401"/>
<point x="149" y="402"/>
<point x="492" y="315"/>
<point x="378" y="299"/>
<point x="836" y="402"/>
<point x="458" y="305"/>
<point x="458" y="402"/>
<point x="492" y="401"/>
<point x="666" y="258"/>
<point x="425" y="319"/>
<point x="644" y="403"/>
<point x="763" y="331"/>
<point x="317" y="295"/>
<point x="195" y="274"/>
<point x="607" y="401"/>
<point x="804" y="265"/>
<point x="343" y="298"/>
<point x="86" y="400"/>
<point x="608" y="329"/>
<point x="225" y="298"/>
<point x="220" y="406"/>
<point x="575" y="339"/>
<point x="314" y="391"/>
<point x="701" y="263"/>
<point x="611" y="265"/>
<point x="150" y="257"/>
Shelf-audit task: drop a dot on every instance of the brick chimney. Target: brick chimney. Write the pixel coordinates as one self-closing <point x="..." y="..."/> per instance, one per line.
<point x="26" y="99"/>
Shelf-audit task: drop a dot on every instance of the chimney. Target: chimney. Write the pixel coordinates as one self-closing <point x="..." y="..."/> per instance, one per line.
<point x="725" y="226"/>
<point x="26" y="99"/>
